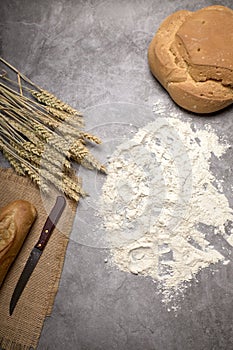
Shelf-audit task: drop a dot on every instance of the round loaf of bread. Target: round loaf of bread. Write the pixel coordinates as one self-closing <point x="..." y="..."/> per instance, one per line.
<point x="16" y="219"/>
<point x="192" y="57"/>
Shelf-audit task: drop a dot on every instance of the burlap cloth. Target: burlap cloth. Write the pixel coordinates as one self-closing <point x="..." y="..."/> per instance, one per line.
<point x="22" y="329"/>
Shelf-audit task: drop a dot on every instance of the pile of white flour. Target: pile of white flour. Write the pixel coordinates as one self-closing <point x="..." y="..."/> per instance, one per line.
<point x="158" y="190"/>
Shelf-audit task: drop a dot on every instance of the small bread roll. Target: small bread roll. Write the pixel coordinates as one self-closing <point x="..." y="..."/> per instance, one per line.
<point x="192" y="57"/>
<point x="16" y="220"/>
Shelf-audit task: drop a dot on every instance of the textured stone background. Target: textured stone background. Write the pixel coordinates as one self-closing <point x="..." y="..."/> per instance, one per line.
<point x="91" y="53"/>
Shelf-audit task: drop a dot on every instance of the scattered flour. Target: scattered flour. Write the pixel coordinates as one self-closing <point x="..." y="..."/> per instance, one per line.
<point x="158" y="194"/>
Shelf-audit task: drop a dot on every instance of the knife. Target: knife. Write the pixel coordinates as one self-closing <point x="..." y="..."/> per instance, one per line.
<point x="37" y="250"/>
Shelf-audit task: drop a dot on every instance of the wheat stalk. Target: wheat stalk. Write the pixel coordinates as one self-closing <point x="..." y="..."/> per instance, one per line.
<point x="41" y="136"/>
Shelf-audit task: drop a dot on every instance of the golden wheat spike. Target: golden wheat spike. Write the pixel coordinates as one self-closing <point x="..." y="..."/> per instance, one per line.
<point x="64" y="115"/>
<point x="25" y="153"/>
<point x="48" y="121"/>
<point x="91" y="137"/>
<point x="92" y="164"/>
<point x="36" y="178"/>
<point x="24" y="130"/>
<point x="14" y="163"/>
<point x="31" y="147"/>
<point x="47" y="98"/>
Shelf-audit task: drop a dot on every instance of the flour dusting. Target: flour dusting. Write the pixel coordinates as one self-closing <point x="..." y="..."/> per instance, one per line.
<point x="158" y="198"/>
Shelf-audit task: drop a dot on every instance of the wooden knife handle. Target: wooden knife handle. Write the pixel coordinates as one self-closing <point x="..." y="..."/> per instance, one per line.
<point x="51" y="222"/>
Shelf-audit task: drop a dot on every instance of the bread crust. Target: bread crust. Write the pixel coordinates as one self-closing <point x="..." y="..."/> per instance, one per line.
<point x="192" y="57"/>
<point x="16" y="219"/>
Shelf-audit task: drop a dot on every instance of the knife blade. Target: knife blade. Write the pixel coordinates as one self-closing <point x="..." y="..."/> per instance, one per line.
<point x="37" y="250"/>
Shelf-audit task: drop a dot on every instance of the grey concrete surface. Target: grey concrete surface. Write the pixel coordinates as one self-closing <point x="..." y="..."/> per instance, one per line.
<point x="91" y="53"/>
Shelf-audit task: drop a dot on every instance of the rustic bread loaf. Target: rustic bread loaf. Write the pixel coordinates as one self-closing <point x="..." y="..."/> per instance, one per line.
<point x="192" y="57"/>
<point x="15" y="221"/>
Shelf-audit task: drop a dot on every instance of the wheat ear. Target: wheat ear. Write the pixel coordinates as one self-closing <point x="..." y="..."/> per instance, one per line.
<point x="50" y="100"/>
